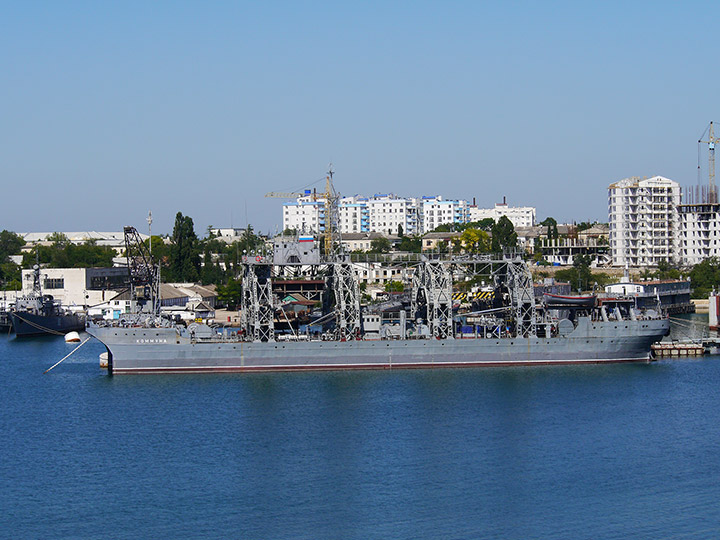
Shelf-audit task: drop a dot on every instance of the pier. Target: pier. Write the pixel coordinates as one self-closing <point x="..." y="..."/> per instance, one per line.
<point x="686" y="347"/>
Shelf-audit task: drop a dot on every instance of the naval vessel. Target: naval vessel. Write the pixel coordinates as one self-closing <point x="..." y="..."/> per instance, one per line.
<point x="515" y="328"/>
<point x="38" y="314"/>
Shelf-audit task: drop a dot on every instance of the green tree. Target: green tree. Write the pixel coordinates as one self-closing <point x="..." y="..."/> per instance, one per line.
<point x="160" y="250"/>
<point x="230" y="294"/>
<point x="667" y="270"/>
<point x="552" y="230"/>
<point x="475" y="241"/>
<point x="184" y="251"/>
<point x="579" y="276"/>
<point x="9" y="273"/>
<point x="581" y="263"/>
<point x="704" y="277"/>
<point x="394" y="286"/>
<point x="503" y="235"/>
<point x="411" y="244"/>
<point x="58" y="238"/>
<point x="538" y="257"/>
<point x="211" y="271"/>
<point x="485" y="224"/>
<point x="443" y="246"/>
<point x="380" y="245"/>
<point x="62" y="254"/>
<point x="10" y="244"/>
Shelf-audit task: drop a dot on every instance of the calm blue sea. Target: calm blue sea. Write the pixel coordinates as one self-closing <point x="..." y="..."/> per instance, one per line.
<point x="622" y="451"/>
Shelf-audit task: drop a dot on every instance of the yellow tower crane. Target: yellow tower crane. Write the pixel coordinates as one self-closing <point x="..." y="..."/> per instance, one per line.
<point x="331" y="240"/>
<point x="332" y="214"/>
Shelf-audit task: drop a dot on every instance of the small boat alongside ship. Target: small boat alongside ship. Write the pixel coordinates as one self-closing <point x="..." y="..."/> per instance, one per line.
<point x="557" y="299"/>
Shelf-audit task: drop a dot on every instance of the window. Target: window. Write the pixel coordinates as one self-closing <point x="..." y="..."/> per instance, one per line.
<point x="54" y="283"/>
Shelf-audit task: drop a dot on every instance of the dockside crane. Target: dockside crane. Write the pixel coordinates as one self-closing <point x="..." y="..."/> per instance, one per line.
<point x="711" y="141"/>
<point x="144" y="273"/>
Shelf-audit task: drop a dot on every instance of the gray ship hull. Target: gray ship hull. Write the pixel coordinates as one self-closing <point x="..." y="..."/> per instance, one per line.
<point x="27" y="324"/>
<point x="164" y="350"/>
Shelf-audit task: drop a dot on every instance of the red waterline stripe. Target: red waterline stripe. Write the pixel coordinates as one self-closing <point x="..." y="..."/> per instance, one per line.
<point x="249" y="369"/>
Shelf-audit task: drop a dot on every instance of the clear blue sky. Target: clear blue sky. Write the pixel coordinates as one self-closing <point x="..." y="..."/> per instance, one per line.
<point x="111" y="109"/>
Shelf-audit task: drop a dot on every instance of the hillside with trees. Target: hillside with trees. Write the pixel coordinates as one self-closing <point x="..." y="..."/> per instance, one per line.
<point x="10" y="273"/>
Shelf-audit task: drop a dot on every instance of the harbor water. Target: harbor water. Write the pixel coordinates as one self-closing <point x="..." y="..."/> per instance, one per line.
<point x="563" y="452"/>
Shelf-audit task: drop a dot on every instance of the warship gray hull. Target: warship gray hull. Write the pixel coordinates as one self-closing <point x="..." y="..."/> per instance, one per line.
<point x="27" y="324"/>
<point x="167" y="350"/>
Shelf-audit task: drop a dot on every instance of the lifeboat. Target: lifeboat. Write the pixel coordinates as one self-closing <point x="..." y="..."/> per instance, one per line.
<point x="577" y="301"/>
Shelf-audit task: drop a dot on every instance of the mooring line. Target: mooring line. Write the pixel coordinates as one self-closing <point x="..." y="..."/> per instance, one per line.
<point x="68" y="356"/>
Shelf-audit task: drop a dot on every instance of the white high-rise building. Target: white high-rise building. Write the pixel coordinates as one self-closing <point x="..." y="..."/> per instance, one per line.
<point x="382" y="213"/>
<point x="306" y="215"/>
<point x="354" y="215"/>
<point x="437" y="211"/>
<point x="644" y="221"/>
<point x="519" y="216"/>
<point x="390" y="214"/>
<point x="699" y="232"/>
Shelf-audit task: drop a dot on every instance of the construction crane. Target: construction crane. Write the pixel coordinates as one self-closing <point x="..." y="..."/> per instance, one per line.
<point x="332" y="215"/>
<point x="288" y="194"/>
<point x="711" y="140"/>
<point x="331" y="200"/>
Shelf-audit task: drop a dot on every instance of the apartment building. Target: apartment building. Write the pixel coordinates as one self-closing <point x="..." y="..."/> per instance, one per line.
<point x="437" y="211"/>
<point x="306" y="214"/>
<point x="390" y="214"/>
<point x="644" y="221"/>
<point x="382" y="213"/>
<point x="699" y="232"/>
<point x="519" y="216"/>
<point x="354" y="215"/>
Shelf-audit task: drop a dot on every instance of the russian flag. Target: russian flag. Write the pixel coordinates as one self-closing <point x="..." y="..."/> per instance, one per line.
<point x="305" y="238"/>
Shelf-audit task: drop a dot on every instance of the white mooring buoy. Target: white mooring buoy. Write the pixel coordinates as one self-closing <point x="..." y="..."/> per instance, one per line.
<point x="72" y="337"/>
